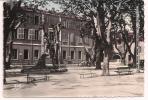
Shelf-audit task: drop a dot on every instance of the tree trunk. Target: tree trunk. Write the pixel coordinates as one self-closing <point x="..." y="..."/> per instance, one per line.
<point x="123" y="60"/>
<point x="107" y="50"/>
<point x="4" y="67"/>
<point x="106" y="62"/>
<point x="134" y="58"/>
<point x="57" y="55"/>
<point x="98" y="60"/>
<point x="4" y="78"/>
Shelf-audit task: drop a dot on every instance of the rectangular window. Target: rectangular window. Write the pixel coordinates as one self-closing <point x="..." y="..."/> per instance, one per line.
<point x="72" y="54"/>
<point x="50" y="34"/>
<point x="20" y="33"/>
<point x="79" y="55"/>
<point x="36" y="35"/>
<point x="26" y="54"/>
<point x="14" y="54"/>
<point x="36" y="54"/>
<point x="36" y="20"/>
<point x="25" y="33"/>
<point x="31" y="35"/>
<point x="64" y="54"/>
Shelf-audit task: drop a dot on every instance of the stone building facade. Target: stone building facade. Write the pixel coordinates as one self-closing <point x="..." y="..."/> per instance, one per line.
<point x="27" y="42"/>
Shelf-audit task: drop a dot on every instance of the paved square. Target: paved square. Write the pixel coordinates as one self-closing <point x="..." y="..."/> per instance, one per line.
<point x="69" y="84"/>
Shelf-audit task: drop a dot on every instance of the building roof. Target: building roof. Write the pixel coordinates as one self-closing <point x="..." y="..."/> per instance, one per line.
<point x="54" y="13"/>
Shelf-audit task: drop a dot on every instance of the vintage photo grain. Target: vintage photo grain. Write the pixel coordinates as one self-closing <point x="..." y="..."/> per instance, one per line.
<point x="73" y="48"/>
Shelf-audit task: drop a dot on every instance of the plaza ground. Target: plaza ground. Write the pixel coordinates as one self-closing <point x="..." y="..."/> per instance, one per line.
<point x="69" y="84"/>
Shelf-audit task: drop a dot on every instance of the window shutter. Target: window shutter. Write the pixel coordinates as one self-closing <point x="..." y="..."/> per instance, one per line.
<point x="33" y="34"/>
<point x="29" y="34"/>
<point x="72" y="37"/>
<point x="40" y="33"/>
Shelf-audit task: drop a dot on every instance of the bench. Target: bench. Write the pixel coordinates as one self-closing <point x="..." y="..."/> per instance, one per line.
<point x="42" y="75"/>
<point x="31" y="79"/>
<point x="86" y="75"/>
<point x="123" y="69"/>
